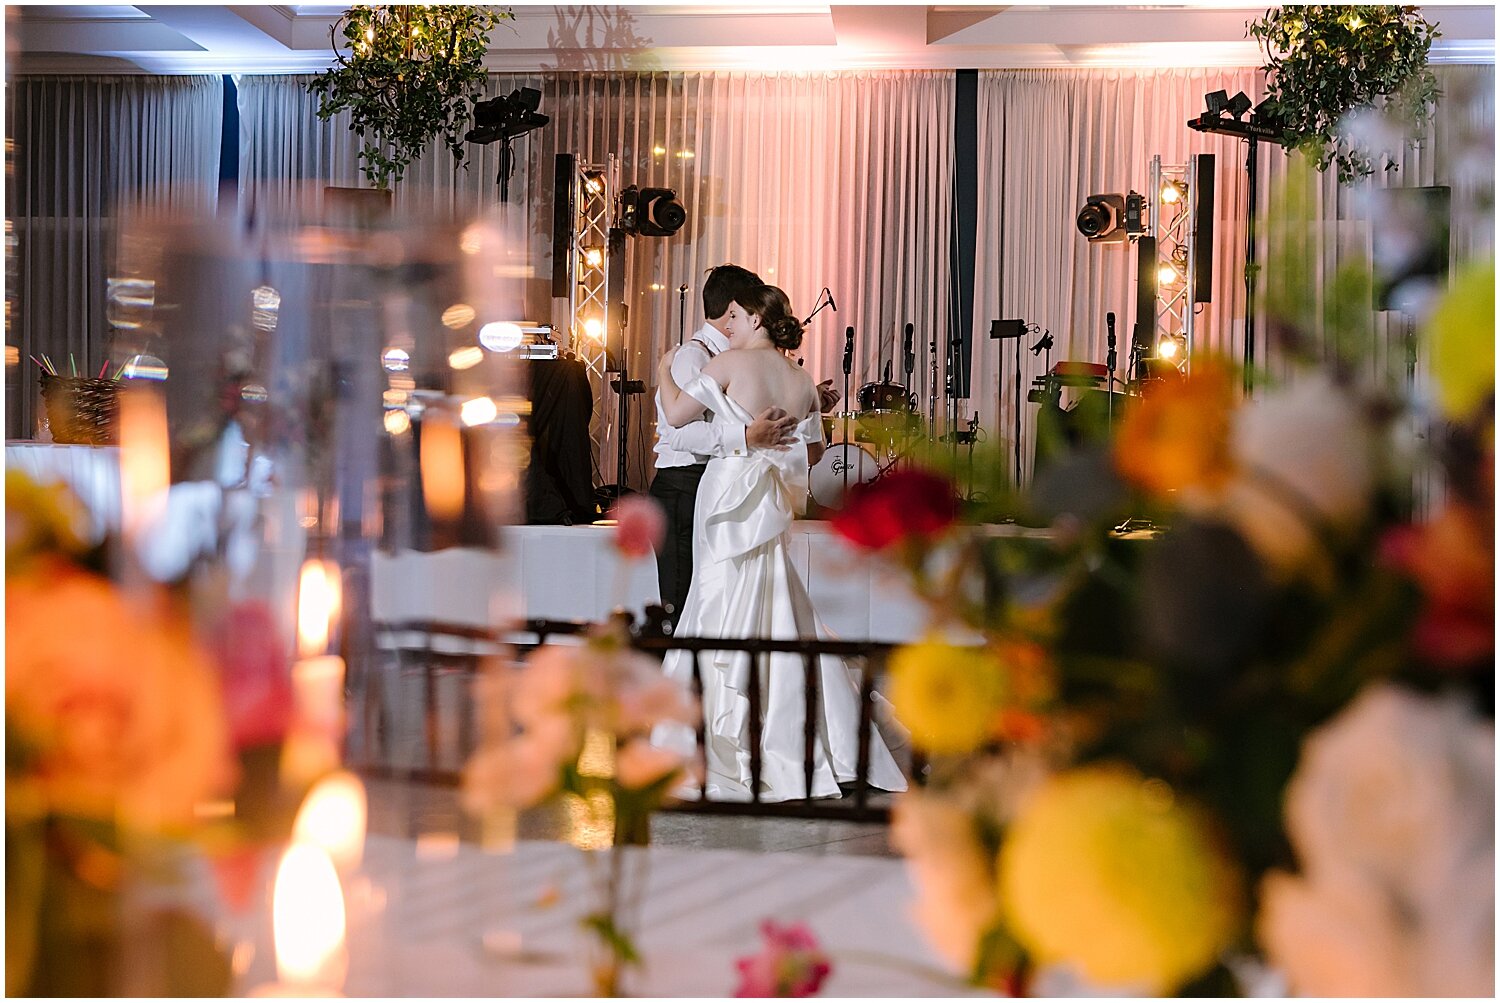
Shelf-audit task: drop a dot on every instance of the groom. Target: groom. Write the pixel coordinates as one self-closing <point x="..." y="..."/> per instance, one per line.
<point x="682" y="454"/>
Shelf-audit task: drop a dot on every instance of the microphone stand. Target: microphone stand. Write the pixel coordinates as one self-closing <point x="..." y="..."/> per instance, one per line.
<point x="820" y="305"/>
<point x="681" y="313"/>
<point x="932" y="389"/>
<point x="848" y="365"/>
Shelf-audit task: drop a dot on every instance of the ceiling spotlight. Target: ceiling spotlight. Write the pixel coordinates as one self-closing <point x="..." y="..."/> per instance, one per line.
<point x="1238" y="105"/>
<point x="593" y="257"/>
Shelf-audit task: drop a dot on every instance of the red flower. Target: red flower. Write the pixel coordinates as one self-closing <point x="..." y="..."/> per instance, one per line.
<point x="255" y="674"/>
<point x="904" y="504"/>
<point x="1452" y="559"/>
<point x="791" y="964"/>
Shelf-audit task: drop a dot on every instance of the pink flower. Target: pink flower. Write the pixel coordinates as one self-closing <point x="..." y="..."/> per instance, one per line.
<point x="640" y="526"/>
<point x="791" y="964"/>
<point x="639" y="764"/>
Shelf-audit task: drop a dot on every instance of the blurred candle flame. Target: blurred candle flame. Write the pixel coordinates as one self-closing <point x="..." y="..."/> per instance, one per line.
<point x="307" y="917"/>
<point x="145" y="458"/>
<point x="442" y="467"/>
<point x="334" y="817"/>
<point x="317" y="605"/>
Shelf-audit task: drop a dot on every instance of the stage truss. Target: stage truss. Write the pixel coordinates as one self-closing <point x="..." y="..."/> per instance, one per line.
<point x="1174" y="224"/>
<point x="594" y="188"/>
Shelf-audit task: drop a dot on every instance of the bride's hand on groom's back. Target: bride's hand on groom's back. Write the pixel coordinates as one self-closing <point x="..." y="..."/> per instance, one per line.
<point x="773" y="428"/>
<point x="664" y="370"/>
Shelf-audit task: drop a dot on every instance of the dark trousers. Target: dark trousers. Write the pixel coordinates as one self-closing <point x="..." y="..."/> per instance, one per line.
<point x="677" y="490"/>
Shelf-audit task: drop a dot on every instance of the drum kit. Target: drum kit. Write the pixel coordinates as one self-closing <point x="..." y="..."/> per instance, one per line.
<point x="865" y="444"/>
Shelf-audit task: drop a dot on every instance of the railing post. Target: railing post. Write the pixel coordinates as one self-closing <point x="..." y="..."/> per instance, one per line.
<point x="809" y="722"/>
<point x="702" y="726"/>
<point x="755" y="727"/>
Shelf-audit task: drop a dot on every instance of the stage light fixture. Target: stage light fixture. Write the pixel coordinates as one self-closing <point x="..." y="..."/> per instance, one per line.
<point x="1173" y="192"/>
<point x="1168" y="348"/>
<point x="593" y="328"/>
<point x="593" y="257"/>
<point x="650" y="212"/>
<point x="1167" y="275"/>
<point x="593" y="182"/>
<point x="1238" y="105"/>
<point x="1102" y="218"/>
<point x="506" y="117"/>
<point x="1216" y="101"/>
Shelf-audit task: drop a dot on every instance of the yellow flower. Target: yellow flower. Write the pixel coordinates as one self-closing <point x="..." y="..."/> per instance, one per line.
<point x="946" y="695"/>
<point x="1461" y="332"/>
<point x="118" y="712"/>
<point x="1177" y="435"/>
<point x="40" y="518"/>
<point x="1114" y="875"/>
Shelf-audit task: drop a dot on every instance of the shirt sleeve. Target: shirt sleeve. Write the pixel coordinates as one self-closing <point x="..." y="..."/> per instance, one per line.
<point x="702" y="438"/>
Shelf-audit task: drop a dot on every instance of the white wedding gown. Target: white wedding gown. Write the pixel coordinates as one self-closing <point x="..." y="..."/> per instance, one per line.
<point x="745" y="585"/>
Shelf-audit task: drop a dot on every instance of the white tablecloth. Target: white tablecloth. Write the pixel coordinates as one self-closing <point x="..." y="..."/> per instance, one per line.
<point x="93" y="472"/>
<point x="459" y="921"/>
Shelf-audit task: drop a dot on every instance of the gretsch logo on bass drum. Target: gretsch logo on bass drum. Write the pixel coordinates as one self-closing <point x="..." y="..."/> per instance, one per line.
<point x="840" y="465"/>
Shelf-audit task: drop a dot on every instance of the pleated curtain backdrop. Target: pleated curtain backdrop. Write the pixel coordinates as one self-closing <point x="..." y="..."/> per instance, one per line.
<point x="836" y="179"/>
<point x="85" y="149"/>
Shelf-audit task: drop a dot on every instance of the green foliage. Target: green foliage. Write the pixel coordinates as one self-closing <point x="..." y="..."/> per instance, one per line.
<point x="1325" y="60"/>
<point x="409" y="78"/>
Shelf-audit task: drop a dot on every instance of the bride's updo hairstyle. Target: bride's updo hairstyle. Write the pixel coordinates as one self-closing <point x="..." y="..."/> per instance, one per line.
<point x="775" y="312"/>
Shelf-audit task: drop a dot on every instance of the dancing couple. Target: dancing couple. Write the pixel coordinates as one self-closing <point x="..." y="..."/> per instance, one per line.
<point x="734" y="397"/>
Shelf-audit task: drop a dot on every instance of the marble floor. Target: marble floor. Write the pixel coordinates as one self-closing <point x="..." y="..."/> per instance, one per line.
<point x="417" y="810"/>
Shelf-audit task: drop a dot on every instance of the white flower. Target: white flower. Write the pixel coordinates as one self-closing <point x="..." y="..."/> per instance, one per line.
<point x="1391" y="812"/>
<point x="1306" y="457"/>
<point x="956" y="899"/>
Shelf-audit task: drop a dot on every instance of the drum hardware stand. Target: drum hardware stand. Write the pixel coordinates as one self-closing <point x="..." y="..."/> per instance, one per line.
<point x="848" y="365"/>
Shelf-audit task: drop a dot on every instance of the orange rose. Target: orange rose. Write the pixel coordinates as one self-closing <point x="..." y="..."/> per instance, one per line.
<point x="1177" y="434"/>
<point x="118" y="713"/>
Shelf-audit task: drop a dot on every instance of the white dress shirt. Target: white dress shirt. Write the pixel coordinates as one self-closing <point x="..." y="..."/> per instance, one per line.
<point x="697" y="441"/>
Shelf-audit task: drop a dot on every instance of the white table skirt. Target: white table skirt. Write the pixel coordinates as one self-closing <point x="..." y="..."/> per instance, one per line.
<point x="93" y="472"/>
<point x="460" y="921"/>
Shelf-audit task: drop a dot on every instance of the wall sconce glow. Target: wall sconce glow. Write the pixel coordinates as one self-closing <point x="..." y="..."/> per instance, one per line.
<point x="396" y="360"/>
<point x="145" y="367"/>
<point x="458" y="315"/>
<point x="593" y="327"/>
<point x="397" y="422"/>
<point x="593" y="257"/>
<point x="500" y="335"/>
<point x="466" y="358"/>
<point x="479" y="411"/>
<point x="657" y="287"/>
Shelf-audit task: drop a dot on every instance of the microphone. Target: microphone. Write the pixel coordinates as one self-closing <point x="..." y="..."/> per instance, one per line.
<point x="831" y="305"/>
<point x="1109" y="323"/>
<point x="848" y="349"/>
<point x="1043" y="343"/>
<point x="909" y="359"/>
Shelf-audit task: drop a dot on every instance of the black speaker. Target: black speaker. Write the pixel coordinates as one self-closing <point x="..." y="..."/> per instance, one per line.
<point x="564" y="186"/>
<point x="1145" y="296"/>
<point x="1202" y="193"/>
<point x="614" y="295"/>
<point x="1410" y="229"/>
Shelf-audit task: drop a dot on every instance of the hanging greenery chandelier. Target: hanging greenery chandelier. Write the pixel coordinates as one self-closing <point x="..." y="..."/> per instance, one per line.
<point x="1326" y="60"/>
<point x="408" y="76"/>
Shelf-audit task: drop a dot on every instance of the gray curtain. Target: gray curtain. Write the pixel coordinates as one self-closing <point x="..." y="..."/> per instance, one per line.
<point x="85" y="150"/>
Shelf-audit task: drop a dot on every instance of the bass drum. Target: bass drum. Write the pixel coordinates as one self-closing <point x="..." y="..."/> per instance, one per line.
<point x="827" y="478"/>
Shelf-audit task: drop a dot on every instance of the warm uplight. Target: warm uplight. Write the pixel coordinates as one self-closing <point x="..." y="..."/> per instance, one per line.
<point x="1167" y="275"/>
<point x="466" y="358"/>
<point x="458" y="315"/>
<point x="479" y="411"/>
<point x="593" y="327"/>
<point x="593" y="257"/>
<point x="1171" y="192"/>
<point x="397" y="422"/>
<point x="500" y="335"/>
<point x="318" y="599"/>
<point x="307" y="920"/>
<point x="334" y="818"/>
<point x="1167" y="348"/>
<point x="660" y="151"/>
<point x="684" y="154"/>
<point x="593" y="183"/>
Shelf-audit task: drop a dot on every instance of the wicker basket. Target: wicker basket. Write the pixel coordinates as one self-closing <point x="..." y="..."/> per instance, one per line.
<point x="81" y="410"/>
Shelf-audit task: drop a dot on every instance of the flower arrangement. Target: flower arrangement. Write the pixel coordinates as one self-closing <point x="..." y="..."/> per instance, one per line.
<point x="1324" y="61"/>
<point x="408" y="79"/>
<point x="791" y="964"/>
<point x="573" y="724"/>
<point x="1262" y="740"/>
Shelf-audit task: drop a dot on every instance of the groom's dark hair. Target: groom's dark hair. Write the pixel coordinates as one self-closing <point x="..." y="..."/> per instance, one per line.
<point x="726" y="284"/>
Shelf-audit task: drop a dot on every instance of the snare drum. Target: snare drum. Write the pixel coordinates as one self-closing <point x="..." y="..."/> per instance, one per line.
<point x="826" y="479"/>
<point x="884" y="397"/>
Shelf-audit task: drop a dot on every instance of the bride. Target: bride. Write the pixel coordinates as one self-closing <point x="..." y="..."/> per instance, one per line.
<point x="745" y="583"/>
